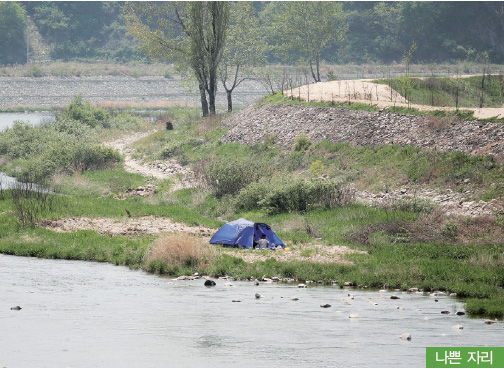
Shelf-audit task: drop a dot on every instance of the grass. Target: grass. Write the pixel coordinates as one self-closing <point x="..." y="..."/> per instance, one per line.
<point x="444" y="91"/>
<point x="81" y="245"/>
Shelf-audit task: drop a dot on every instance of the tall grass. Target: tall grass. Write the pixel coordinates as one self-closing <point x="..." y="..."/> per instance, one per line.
<point x="173" y="253"/>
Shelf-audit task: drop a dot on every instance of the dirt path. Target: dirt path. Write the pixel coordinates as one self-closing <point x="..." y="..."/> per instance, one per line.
<point x="182" y="177"/>
<point x="364" y="91"/>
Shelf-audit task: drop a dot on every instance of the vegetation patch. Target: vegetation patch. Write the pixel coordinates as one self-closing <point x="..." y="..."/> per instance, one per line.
<point x="477" y="91"/>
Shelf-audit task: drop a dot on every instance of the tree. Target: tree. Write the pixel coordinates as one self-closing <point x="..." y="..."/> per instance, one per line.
<point x="303" y="30"/>
<point x="244" y="48"/>
<point x="12" y="29"/>
<point x="191" y="34"/>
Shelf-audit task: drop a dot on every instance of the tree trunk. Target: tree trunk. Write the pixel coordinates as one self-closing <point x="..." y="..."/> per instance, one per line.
<point x="312" y="72"/>
<point x="211" y="101"/>
<point x="204" y="102"/>
<point x="229" y="100"/>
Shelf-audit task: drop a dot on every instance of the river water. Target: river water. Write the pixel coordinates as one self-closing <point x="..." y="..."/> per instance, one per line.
<point x="8" y="119"/>
<point x="85" y="314"/>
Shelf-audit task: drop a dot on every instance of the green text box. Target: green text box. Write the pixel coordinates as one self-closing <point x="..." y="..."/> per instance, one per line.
<point x="464" y="357"/>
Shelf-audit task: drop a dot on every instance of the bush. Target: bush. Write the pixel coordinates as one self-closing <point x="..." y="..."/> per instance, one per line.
<point x="25" y="141"/>
<point x="302" y="143"/>
<point x="292" y="194"/>
<point x="72" y="127"/>
<point x="86" y="158"/>
<point x="229" y="176"/>
<point x="84" y="112"/>
<point x="123" y="121"/>
<point x="34" y="71"/>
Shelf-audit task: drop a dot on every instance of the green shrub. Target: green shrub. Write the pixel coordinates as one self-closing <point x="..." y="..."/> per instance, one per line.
<point x="331" y="76"/>
<point x="86" y="158"/>
<point x="296" y="160"/>
<point x="302" y="143"/>
<point x="167" y="74"/>
<point x="123" y="121"/>
<point x="291" y="194"/>
<point x="72" y="127"/>
<point x="84" y="112"/>
<point x="25" y="141"/>
<point x="251" y="196"/>
<point x="229" y="176"/>
<point x="34" y="71"/>
<point x="414" y="205"/>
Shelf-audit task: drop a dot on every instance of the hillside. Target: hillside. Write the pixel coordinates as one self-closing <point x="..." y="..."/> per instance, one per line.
<point x="378" y="32"/>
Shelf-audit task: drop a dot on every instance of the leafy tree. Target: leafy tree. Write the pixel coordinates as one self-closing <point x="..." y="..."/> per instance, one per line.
<point x="304" y="29"/>
<point x="244" y="48"/>
<point x="192" y="34"/>
<point x="12" y="31"/>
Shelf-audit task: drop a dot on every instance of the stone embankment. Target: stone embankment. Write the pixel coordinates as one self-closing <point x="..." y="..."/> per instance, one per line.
<point x="286" y="122"/>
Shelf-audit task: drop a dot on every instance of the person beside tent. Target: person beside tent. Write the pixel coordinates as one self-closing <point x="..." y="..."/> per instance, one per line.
<point x="263" y="242"/>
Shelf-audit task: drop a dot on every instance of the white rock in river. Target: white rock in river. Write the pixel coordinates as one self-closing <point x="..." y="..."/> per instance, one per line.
<point x="405" y="336"/>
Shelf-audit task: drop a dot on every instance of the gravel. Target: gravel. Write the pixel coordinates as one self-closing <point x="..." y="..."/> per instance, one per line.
<point x="47" y="92"/>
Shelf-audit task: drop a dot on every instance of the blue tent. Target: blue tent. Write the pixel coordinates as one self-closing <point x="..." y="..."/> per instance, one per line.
<point x="241" y="232"/>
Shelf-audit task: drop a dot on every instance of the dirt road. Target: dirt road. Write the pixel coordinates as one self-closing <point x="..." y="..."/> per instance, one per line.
<point x="364" y="91"/>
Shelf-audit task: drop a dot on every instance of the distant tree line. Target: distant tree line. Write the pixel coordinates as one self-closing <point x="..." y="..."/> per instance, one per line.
<point x="377" y="32"/>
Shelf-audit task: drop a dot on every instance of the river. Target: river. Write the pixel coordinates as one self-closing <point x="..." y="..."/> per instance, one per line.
<point x="86" y="314"/>
<point x="8" y="119"/>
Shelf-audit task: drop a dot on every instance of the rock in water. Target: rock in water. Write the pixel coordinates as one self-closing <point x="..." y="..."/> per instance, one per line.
<point x="209" y="283"/>
<point x="16" y="308"/>
<point x="325" y="305"/>
<point x="405" y="336"/>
